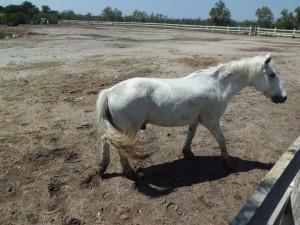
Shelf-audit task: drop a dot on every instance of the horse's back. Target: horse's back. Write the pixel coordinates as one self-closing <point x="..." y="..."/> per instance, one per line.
<point x="164" y="102"/>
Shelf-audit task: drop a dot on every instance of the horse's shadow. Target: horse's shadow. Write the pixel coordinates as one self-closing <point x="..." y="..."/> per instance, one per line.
<point x="164" y="178"/>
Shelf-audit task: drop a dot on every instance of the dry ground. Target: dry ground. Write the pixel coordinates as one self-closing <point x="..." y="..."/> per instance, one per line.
<point x="49" y="142"/>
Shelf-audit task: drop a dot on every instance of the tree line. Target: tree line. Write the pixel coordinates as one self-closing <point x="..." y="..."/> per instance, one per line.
<point x="220" y="15"/>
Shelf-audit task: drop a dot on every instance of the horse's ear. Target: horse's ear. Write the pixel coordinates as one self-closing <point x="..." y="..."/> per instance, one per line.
<point x="268" y="59"/>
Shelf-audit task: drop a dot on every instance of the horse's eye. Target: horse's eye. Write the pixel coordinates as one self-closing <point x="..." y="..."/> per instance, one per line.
<point x="272" y="75"/>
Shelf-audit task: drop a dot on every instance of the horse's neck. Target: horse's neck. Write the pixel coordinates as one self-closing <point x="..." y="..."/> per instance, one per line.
<point x="232" y="84"/>
<point x="229" y="85"/>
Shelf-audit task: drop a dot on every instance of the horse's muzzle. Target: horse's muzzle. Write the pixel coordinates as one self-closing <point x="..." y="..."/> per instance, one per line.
<point x="279" y="99"/>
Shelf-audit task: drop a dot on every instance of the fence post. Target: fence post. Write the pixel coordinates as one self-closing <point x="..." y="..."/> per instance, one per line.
<point x="239" y="29"/>
<point x="250" y="30"/>
<point x="227" y="29"/>
<point x="294" y="31"/>
<point x="213" y="30"/>
<point x="274" y="32"/>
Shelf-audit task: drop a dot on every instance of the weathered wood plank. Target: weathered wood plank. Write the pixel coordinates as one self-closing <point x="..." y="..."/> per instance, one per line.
<point x="288" y="218"/>
<point x="295" y="199"/>
<point x="280" y="209"/>
<point x="264" y="200"/>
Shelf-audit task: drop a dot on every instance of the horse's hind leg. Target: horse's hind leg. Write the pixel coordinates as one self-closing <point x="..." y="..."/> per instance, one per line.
<point x="105" y="159"/>
<point x="127" y="169"/>
<point x="186" y="151"/>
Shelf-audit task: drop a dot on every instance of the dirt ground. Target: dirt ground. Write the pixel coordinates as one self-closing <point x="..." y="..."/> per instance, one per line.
<point x="49" y="139"/>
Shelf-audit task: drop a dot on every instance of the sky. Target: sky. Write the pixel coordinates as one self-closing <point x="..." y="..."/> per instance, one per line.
<point x="240" y="9"/>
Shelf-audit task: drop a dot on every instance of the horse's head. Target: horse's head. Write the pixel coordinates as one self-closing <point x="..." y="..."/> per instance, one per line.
<point x="268" y="82"/>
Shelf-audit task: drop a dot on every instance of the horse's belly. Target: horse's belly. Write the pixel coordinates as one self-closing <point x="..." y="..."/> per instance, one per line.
<point x="173" y="120"/>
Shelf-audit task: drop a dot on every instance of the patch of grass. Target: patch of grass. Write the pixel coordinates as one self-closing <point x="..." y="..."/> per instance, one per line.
<point x="38" y="65"/>
<point x="4" y="35"/>
<point x="30" y="66"/>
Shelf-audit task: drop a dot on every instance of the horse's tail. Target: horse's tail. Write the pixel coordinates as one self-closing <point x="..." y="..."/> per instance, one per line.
<point x="125" y="143"/>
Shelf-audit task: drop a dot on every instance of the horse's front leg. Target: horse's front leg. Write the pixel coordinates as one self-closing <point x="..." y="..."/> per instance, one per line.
<point x="186" y="151"/>
<point x="213" y="125"/>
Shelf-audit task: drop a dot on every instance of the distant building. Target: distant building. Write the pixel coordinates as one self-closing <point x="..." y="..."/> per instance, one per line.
<point x="46" y="21"/>
<point x="12" y="23"/>
<point x="43" y="21"/>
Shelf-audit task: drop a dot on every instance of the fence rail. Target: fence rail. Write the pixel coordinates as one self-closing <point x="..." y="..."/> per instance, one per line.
<point x="221" y="29"/>
<point x="278" y="32"/>
<point x="277" y="198"/>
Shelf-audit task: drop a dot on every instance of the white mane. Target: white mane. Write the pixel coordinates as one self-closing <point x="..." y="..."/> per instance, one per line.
<point x="250" y="67"/>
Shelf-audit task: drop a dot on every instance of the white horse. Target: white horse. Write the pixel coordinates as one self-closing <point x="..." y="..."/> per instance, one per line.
<point x="200" y="97"/>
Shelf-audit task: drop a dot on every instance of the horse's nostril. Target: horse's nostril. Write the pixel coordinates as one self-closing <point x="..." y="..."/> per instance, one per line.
<point x="285" y="98"/>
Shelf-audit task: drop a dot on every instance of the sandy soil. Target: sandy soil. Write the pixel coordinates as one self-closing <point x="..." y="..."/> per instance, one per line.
<point x="49" y="142"/>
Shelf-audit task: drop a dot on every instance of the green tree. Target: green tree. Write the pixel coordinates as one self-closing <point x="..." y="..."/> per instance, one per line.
<point x="20" y="17"/>
<point x="2" y="16"/>
<point x="29" y="9"/>
<point x="68" y="15"/>
<point x="14" y="13"/>
<point x="139" y="16"/>
<point x="51" y="15"/>
<point x="265" y="17"/>
<point x="287" y="20"/>
<point x="247" y="23"/>
<point x="88" y="16"/>
<point x="109" y="14"/>
<point x="160" y="18"/>
<point x="118" y="15"/>
<point x="12" y="9"/>
<point x="297" y="18"/>
<point x="220" y="15"/>
<point x="46" y="9"/>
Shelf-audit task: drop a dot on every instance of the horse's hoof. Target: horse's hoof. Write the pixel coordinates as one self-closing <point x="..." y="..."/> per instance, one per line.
<point x="101" y="174"/>
<point x="101" y="171"/>
<point x="188" y="154"/>
<point x="140" y="175"/>
<point x="229" y="164"/>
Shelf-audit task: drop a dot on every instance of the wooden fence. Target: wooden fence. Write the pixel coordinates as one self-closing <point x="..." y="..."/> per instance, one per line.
<point x="277" y="199"/>
<point x="278" y="32"/>
<point x="221" y="29"/>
